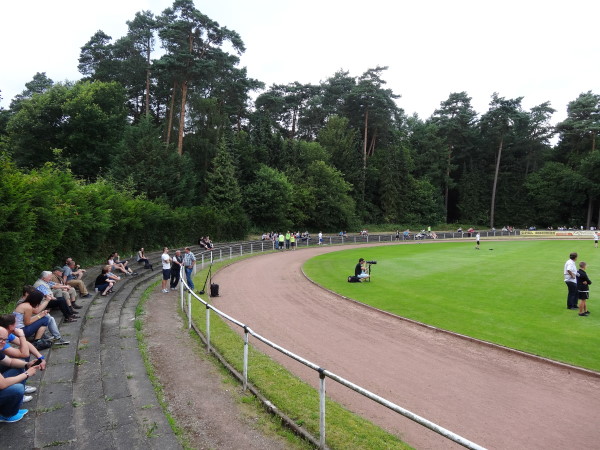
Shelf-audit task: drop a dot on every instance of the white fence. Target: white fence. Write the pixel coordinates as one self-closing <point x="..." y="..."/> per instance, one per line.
<point x="323" y="374"/>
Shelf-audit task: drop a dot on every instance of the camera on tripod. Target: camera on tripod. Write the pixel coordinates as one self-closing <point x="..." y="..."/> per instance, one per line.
<point x="371" y="262"/>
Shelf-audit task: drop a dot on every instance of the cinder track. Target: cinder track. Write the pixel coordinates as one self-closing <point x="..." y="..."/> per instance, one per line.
<point x="496" y="398"/>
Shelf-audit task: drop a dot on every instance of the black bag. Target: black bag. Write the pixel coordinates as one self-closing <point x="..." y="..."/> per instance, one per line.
<point x="42" y="344"/>
<point x="353" y="279"/>
<point x="214" y="290"/>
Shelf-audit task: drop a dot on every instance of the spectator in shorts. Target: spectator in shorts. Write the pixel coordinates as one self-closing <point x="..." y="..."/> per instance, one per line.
<point x="166" y="269"/>
<point x="583" y="288"/>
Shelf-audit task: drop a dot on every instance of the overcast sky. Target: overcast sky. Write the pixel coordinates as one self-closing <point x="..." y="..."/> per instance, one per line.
<point x="539" y="50"/>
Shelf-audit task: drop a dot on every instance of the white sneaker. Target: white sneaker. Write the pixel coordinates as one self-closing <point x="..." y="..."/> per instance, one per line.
<point x="165" y="291"/>
<point x="27" y="398"/>
<point x="30" y="389"/>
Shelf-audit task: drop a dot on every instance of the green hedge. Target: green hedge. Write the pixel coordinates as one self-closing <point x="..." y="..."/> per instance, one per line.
<point x="46" y="215"/>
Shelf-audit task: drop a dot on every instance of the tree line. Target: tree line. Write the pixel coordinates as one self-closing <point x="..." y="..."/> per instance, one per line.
<point x="166" y="114"/>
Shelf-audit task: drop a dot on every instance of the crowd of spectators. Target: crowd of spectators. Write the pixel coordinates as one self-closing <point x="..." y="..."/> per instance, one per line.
<point x="31" y="328"/>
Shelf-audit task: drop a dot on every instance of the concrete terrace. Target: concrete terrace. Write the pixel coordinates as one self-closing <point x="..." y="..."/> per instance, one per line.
<point x="95" y="392"/>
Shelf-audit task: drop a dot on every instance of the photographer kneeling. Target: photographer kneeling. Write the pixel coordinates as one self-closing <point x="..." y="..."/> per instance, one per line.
<point x="360" y="271"/>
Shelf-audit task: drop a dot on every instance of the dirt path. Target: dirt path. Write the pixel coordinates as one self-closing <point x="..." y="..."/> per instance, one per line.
<point x="203" y="404"/>
<point x="496" y="398"/>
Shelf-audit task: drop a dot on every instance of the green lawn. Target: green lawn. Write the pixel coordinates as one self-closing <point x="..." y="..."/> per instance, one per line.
<point x="509" y="292"/>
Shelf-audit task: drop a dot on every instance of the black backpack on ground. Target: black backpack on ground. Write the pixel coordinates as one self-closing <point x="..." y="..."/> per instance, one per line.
<point x="353" y="279"/>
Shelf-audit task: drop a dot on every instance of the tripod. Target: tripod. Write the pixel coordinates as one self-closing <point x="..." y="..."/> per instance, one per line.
<point x="369" y="272"/>
<point x="209" y="275"/>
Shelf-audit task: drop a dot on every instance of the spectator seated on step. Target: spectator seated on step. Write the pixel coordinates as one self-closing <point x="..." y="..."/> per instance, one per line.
<point x="78" y="272"/>
<point x="12" y="384"/>
<point x="9" y="321"/>
<point x="72" y="277"/>
<point x="17" y="345"/>
<point x="115" y="265"/>
<point x="30" y="318"/>
<point x="104" y="282"/>
<point x="52" y="333"/>
<point x="68" y="291"/>
<point x="202" y="243"/>
<point x="141" y="258"/>
<point x="50" y="301"/>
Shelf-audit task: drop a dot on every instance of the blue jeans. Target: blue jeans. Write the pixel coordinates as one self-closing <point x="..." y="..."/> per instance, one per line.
<point x="188" y="277"/>
<point x="30" y="330"/>
<point x="11" y="399"/>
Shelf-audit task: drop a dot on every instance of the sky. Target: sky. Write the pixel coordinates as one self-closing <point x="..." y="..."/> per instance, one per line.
<point x="539" y="50"/>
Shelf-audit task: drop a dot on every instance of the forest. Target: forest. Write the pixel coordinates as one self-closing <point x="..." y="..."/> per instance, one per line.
<point x="164" y="118"/>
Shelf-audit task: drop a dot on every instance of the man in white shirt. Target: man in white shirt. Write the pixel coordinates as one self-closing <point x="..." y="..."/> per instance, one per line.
<point x="570" y="274"/>
<point x="166" y="269"/>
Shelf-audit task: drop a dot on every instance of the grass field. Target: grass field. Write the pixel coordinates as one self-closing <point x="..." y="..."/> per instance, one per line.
<point x="509" y="292"/>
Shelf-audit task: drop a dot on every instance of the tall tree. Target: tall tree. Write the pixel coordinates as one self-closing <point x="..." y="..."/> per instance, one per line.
<point x="579" y="131"/>
<point x="141" y="33"/>
<point x="193" y="44"/>
<point x="224" y="192"/>
<point x="38" y="85"/>
<point x="496" y="125"/>
<point x="456" y="121"/>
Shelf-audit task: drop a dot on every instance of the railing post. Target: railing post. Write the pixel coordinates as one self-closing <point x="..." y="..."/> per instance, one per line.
<point x="220" y="254"/>
<point x="181" y="289"/>
<point x="230" y="252"/>
<point x="251" y="247"/>
<point x="189" y="309"/>
<point x="203" y="260"/>
<point x="241" y="250"/>
<point x="321" y="408"/>
<point x="207" y="328"/>
<point x="246" y="335"/>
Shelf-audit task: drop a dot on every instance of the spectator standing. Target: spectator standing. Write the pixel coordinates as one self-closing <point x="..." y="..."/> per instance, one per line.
<point x="176" y="263"/>
<point x="583" y="289"/>
<point x="281" y="239"/>
<point x="320" y="238"/>
<point x="570" y="275"/>
<point x="166" y="269"/>
<point x="287" y="240"/>
<point x="595" y="239"/>
<point x="293" y="241"/>
<point x="477" y="237"/>
<point x="189" y="261"/>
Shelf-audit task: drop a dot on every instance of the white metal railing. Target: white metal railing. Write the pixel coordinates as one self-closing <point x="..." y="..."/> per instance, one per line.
<point x="322" y="373"/>
<point x="240" y="248"/>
